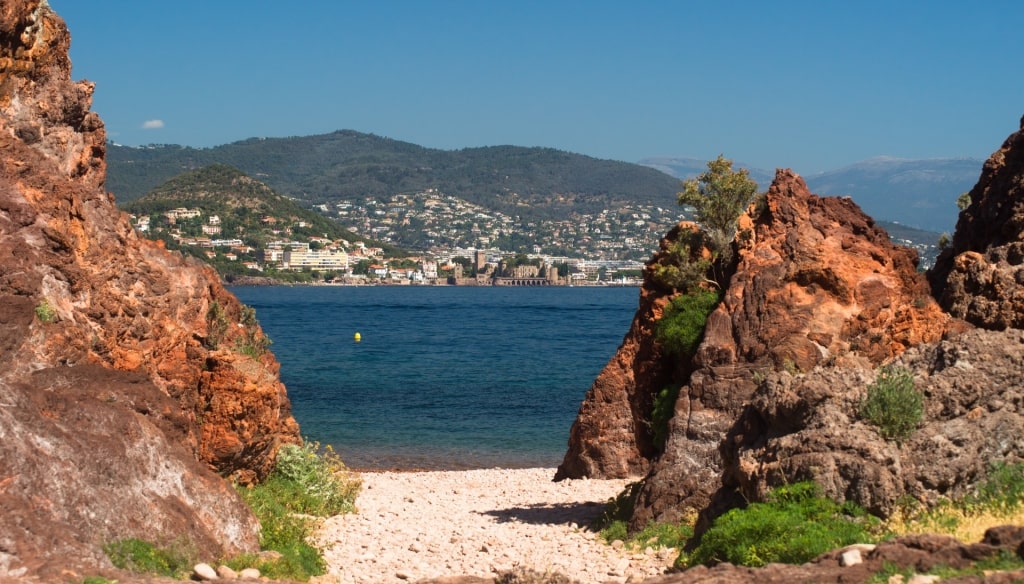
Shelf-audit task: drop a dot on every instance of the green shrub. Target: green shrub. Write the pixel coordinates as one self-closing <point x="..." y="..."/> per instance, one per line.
<point x="892" y="404"/>
<point x="661" y="412"/>
<point x="795" y="525"/>
<point x="1002" y="489"/>
<point x="45" y="312"/>
<point x="254" y="343"/>
<point x="681" y="326"/>
<point x="305" y="482"/>
<point x="143" y="557"/>
<point x="216" y="325"/>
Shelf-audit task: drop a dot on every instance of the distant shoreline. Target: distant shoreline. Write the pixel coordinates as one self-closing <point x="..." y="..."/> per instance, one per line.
<point x="262" y="281"/>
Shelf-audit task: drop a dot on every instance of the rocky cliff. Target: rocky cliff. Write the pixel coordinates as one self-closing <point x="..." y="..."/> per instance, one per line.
<point x="980" y="276"/>
<point x="129" y="377"/>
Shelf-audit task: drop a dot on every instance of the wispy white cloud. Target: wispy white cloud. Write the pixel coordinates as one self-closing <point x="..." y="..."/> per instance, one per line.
<point x="152" y="124"/>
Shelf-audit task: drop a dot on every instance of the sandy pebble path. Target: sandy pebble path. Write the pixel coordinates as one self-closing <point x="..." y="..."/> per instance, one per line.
<point x="418" y="525"/>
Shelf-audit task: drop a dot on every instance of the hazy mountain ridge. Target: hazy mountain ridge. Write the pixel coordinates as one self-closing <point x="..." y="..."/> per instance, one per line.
<point x="920" y="193"/>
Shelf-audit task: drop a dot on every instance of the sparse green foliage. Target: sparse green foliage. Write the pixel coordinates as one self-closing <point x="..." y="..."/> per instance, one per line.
<point x="325" y="484"/>
<point x="143" y="557"/>
<point x="255" y="343"/>
<point x="963" y="201"/>
<point x="305" y="482"/>
<point x="944" y="241"/>
<point x="892" y="404"/>
<point x="683" y="268"/>
<point x="796" y="524"/>
<point x="216" y="325"/>
<point x="1003" y="488"/>
<point x="618" y="511"/>
<point x="661" y="413"/>
<point x="681" y="326"/>
<point x="718" y="196"/>
<point x="45" y="312"/>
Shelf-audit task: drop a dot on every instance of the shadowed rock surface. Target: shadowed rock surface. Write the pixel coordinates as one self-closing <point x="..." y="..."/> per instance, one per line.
<point x="980" y="277"/>
<point x="123" y="389"/>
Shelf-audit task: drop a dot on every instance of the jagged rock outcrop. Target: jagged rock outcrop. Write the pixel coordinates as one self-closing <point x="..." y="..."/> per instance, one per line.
<point x="123" y="389"/>
<point x="610" y="437"/>
<point x="815" y="282"/>
<point x="980" y="277"/>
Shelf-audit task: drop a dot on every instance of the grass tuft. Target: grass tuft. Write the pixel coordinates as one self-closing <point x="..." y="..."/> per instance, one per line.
<point x="143" y="557"/>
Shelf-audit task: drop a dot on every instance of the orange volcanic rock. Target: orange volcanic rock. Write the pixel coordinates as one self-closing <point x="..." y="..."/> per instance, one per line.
<point x="609" y="438"/>
<point x="136" y="349"/>
<point x="815" y="282"/>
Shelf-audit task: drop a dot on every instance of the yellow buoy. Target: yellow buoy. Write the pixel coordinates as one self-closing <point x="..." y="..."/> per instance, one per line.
<point x="358" y="337"/>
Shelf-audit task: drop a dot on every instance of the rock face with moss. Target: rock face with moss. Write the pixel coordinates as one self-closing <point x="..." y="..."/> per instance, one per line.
<point x="129" y="376"/>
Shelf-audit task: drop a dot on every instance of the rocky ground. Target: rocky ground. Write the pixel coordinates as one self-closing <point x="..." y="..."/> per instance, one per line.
<point x="420" y="525"/>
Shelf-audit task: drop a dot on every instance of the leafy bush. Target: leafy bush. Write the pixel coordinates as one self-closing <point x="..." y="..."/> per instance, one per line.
<point x="681" y="326"/>
<point x="254" y="342"/>
<point x="45" y="312"/>
<point x="795" y="525"/>
<point x="216" y="325"/>
<point x="143" y="557"/>
<point x="680" y="269"/>
<point x="892" y="404"/>
<point x="305" y="482"/>
<point x="661" y="413"/>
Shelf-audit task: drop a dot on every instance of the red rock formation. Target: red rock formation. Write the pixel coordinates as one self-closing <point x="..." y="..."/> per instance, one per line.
<point x="83" y="299"/>
<point x="609" y="438"/>
<point x="980" y="278"/>
<point x="816" y="282"/>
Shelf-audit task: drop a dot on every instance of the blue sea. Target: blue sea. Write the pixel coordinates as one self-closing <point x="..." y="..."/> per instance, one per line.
<point x="443" y="377"/>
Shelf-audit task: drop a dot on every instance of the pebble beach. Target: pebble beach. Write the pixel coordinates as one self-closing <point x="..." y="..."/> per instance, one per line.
<point x="413" y="526"/>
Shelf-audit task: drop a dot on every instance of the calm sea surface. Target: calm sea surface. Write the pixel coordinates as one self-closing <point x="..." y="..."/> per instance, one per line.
<point x="444" y="377"/>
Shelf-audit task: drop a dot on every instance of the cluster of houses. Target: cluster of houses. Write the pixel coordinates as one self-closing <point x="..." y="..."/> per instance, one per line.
<point x="345" y="258"/>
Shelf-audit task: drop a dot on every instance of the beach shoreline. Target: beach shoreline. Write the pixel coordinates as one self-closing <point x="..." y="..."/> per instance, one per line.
<point x="416" y="525"/>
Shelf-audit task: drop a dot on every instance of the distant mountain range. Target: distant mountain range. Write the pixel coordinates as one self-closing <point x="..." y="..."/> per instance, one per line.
<point x="916" y="193"/>
<point x="531" y="183"/>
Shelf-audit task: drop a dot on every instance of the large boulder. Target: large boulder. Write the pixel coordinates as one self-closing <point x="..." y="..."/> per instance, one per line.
<point x="124" y="389"/>
<point x="807" y="427"/>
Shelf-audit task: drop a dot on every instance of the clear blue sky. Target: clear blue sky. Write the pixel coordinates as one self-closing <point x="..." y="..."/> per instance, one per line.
<point x="809" y="85"/>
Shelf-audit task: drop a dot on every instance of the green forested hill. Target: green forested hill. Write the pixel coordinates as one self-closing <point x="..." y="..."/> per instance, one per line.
<point x="240" y="202"/>
<point x="352" y="165"/>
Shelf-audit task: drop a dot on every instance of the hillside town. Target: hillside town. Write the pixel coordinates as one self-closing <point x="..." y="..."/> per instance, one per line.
<point x="451" y="240"/>
<point x="457" y="243"/>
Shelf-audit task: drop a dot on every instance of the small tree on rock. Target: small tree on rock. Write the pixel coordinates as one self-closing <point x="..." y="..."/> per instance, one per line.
<point x="718" y="196"/>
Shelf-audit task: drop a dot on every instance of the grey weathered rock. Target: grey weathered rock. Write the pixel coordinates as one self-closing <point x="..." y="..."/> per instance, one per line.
<point x="205" y="571"/>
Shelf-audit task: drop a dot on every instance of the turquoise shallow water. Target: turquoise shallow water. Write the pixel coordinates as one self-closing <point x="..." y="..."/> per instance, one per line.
<point x="444" y="377"/>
